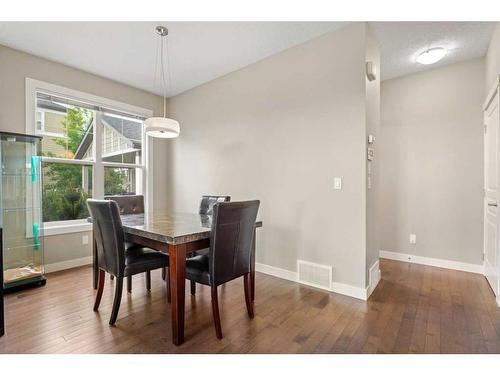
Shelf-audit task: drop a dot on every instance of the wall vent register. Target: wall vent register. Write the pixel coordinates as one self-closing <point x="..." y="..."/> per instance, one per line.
<point x="314" y="274"/>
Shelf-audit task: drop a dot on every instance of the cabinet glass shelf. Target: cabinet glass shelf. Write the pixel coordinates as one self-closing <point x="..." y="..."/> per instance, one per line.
<point x="20" y="210"/>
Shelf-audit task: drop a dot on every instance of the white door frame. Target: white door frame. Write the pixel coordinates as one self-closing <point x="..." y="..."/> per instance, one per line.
<point x="491" y="239"/>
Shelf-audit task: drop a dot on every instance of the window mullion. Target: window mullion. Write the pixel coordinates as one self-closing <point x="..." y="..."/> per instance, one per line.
<point x="98" y="174"/>
<point x="122" y="165"/>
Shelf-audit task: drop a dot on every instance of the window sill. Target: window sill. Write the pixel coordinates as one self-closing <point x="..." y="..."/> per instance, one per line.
<point x="65" y="227"/>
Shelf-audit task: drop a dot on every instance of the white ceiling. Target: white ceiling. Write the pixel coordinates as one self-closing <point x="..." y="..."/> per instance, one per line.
<point x="127" y="51"/>
<point x="401" y="42"/>
<point x="201" y="51"/>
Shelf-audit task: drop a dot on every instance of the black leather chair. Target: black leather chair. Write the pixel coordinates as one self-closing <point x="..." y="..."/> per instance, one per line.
<point x="229" y="256"/>
<point x="128" y="205"/>
<point x="206" y="208"/>
<point x="113" y="256"/>
<point x="208" y="201"/>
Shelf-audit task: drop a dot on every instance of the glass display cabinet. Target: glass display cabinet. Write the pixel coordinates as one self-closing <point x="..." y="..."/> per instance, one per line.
<point x="21" y="211"/>
<point x="2" y="325"/>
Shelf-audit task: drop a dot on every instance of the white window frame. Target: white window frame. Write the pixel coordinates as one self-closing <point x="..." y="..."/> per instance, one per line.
<point x="71" y="226"/>
<point x="42" y="120"/>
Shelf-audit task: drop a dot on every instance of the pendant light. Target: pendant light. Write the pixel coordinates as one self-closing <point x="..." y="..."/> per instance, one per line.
<point x="162" y="127"/>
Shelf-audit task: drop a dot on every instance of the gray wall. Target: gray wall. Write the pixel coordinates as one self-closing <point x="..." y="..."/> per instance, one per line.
<point x="432" y="163"/>
<point x="15" y="66"/>
<point x="493" y="60"/>
<point x="372" y="127"/>
<point x="66" y="247"/>
<point x="279" y="130"/>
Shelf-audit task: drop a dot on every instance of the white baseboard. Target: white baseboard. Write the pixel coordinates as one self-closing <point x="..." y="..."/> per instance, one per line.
<point x="277" y="272"/>
<point x="350" y="290"/>
<point x="442" y="263"/>
<point x="373" y="277"/>
<point x="346" y="289"/>
<point x="59" y="266"/>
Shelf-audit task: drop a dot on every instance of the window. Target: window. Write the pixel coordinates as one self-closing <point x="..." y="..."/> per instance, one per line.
<point x="89" y="149"/>
<point x="121" y="140"/>
<point x="67" y="138"/>
<point x="65" y="190"/>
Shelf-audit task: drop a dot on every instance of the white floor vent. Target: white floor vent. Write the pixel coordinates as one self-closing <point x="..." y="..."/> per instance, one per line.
<point x="317" y="275"/>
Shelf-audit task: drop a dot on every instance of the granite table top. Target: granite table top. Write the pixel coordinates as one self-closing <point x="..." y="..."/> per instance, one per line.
<point x="173" y="229"/>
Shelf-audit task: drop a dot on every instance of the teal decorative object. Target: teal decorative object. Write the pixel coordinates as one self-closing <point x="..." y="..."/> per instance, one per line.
<point x="36" y="238"/>
<point x="34" y="167"/>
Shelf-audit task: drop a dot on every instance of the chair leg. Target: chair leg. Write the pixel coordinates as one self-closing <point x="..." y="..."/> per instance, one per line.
<point x="215" y="311"/>
<point x="117" y="300"/>
<point x="100" y="288"/>
<point x="193" y="288"/>
<point x="167" y="280"/>
<point x="252" y="284"/>
<point x="129" y="284"/>
<point x="164" y="273"/>
<point x="148" y="280"/>
<point x="248" y="294"/>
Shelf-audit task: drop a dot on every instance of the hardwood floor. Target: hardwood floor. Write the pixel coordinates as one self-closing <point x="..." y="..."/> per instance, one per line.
<point x="415" y="309"/>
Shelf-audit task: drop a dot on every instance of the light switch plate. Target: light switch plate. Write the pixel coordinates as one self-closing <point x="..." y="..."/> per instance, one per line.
<point x="413" y="238"/>
<point x="337" y="183"/>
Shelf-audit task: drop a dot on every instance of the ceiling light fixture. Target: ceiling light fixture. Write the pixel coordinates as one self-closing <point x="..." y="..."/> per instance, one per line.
<point x="431" y="56"/>
<point x="163" y="127"/>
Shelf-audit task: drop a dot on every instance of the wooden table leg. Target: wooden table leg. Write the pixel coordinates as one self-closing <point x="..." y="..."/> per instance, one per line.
<point x="95" y="267"/>
<point x="177" y="255"/>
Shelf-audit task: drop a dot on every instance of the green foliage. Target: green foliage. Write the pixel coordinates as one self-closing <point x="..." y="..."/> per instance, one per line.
<point x="63" y="197"/>
<point x="74" y="126"/>
<point x="115" y="181"/>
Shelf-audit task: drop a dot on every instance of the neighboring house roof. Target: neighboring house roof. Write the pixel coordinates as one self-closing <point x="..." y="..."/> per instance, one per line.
<point x="86" y="141"/>
<point x="48" y="104"/>
<point x="123" y="127"/>
<point x="128" y="129"/>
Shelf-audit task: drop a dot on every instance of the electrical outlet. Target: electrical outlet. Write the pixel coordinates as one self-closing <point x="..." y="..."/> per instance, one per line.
<point x="413" y="239"/>
<point x="85" y="240"/>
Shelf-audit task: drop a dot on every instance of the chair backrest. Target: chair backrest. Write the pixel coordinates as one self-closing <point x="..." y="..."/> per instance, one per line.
<point x="208" y="201"/>
<point x="231" y="240"/>
<point x="108" y="234"/>
<point x="128" y="204"/>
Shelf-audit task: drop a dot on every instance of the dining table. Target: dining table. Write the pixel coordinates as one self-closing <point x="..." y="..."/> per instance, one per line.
<point x="179" y="235"/>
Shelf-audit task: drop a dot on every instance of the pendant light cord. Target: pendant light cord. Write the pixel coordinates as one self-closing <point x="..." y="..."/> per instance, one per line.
<point x="169" y="81"/>
<point x="163" y="81"/>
